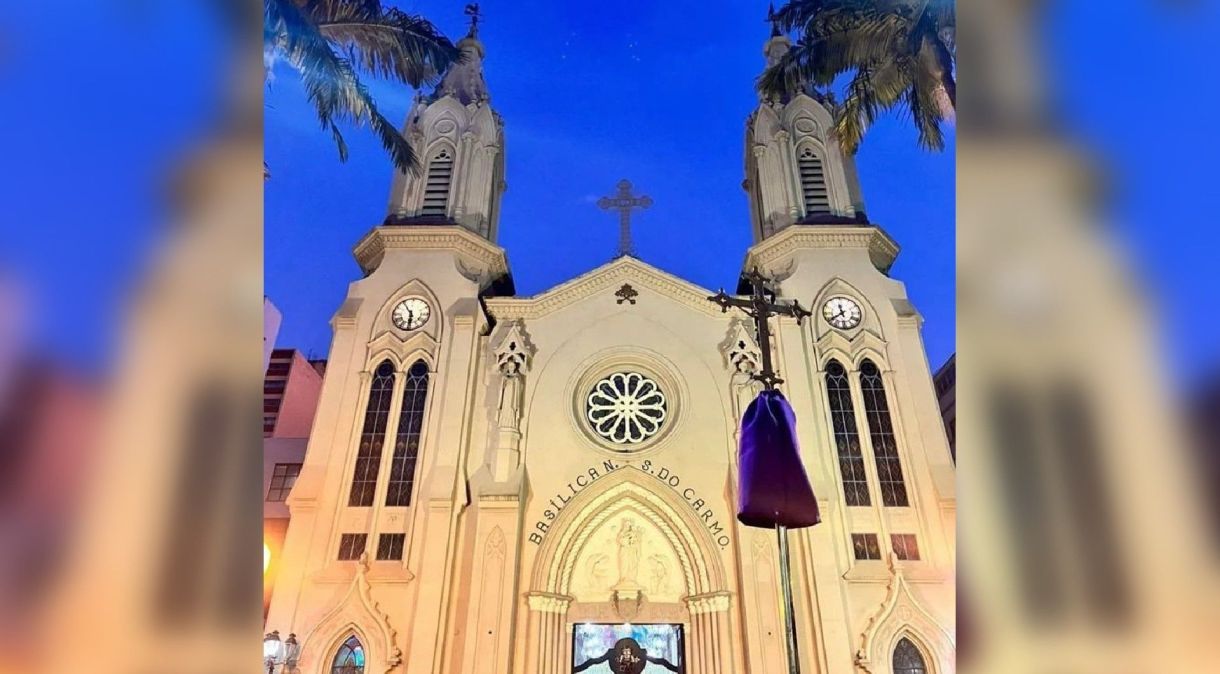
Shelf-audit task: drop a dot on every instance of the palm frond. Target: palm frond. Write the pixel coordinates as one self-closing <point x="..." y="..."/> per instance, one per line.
<point x="385" y="41"/>
<point x="330" y="81"/>
<point x="926" y="118"/>
<point x="875" y="88"/>
<point x="822" y="58"/>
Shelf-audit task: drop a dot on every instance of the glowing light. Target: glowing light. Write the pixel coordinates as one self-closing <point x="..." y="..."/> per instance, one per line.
<point x="266" y="557"/>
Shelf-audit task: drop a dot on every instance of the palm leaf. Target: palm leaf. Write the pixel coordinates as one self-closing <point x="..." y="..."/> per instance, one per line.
<point x="387" y="42"/>
<point x="330" y="81"/>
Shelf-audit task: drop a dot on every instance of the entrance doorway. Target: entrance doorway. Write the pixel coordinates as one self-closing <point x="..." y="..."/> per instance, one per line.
<point x="628" y="648"/>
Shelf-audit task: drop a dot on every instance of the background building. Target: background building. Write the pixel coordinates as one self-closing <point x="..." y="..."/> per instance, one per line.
<point x="945" y="381"/>
<point x="290" y="398"/>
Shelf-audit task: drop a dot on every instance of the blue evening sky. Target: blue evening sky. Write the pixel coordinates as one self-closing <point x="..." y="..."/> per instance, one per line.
<point x="591" y="93"/>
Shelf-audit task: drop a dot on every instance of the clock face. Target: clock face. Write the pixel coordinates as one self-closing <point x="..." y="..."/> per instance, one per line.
<point x="411" y="314"/>
<point x="841" y="312"/>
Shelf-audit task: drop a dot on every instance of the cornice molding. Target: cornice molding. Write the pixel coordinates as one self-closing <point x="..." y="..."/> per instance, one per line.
<point x="473" y="248"/>
<point x="604" y="279"/>
<point x="882" y="249"/>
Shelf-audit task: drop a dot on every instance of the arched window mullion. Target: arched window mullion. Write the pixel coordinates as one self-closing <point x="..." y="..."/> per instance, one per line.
<point x="846" y="436"/>
<point x="408" y="436"/>
<point x="882" y="436"/>
<point x="349" y="659"/>
<point x="908" y="659"/>
<point x="372" y="437"/>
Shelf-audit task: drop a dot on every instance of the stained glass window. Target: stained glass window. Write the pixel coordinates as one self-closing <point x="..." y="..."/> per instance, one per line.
<point x="881" y="431"/>
<point x="865" y="546"/>
<point x="905" y="547"/>
<point x="908" y="659"/>
<point x="407" y="438"/>
<point x="372" y="437"/>
<point x="350" y="658"/>
<point x="847" y="440"/>
<point x="351" y="546"/>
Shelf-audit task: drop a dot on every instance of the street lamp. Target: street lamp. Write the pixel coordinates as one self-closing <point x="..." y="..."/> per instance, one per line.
<point x="278" y="653"/>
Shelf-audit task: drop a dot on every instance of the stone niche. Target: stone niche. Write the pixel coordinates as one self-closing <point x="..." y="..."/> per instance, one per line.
<point x="626" y="554"/>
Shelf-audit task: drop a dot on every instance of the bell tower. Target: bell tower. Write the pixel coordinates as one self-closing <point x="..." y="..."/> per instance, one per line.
<point x="795" y="170"/>
<point x="459" y="140"/>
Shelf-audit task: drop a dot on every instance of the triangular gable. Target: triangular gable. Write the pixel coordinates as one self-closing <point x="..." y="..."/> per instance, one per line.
<point x="608" y="278"/>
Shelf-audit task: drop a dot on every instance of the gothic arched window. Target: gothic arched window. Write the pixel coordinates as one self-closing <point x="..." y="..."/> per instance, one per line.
<point x="813" y="182"/>
<point x="349" y="659"/>
<point x="908" y="659"/>
<point x="372" y="436"/>
<point x="436" y="184"/>
<point x="881" y="432"/>
<point x="406" y="440"/>
<point x="847" y="439"/>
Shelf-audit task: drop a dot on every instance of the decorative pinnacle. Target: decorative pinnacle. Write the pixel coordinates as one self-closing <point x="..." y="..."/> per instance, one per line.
<point x="775" y="32"/>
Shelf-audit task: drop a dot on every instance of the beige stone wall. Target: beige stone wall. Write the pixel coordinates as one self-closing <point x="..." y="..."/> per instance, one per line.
<point x="525" y="521"/>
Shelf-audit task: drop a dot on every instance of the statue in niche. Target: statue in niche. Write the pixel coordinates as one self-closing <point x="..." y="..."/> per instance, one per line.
<point x="510" y="396"/>
<point x="628" y="554"/>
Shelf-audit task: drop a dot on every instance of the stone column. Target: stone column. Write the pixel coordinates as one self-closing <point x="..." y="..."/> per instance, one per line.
<point x="710" y="638"/>
<point x="549" y="612"/>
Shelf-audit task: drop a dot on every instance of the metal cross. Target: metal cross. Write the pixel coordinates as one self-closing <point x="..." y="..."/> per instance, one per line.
<point x="623" y="201"/>
<point x="761" y="306"/>
<point x="472" y="11"/>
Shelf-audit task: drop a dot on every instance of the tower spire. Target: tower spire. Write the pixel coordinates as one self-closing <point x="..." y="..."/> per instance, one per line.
<point x="472" y="11"/>
<point x="775" y="32"/>
<point x="778" y="44"/>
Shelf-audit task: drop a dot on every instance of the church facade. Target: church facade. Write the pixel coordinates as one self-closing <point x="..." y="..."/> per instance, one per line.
<point x="500" y="484"/>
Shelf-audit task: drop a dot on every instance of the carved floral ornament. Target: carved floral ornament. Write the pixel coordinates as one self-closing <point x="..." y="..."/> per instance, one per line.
<point x="515" y="351"/>
<point x="626" y="408"/>
<point x="901" y="615"/>
<point x="356" y="613"/>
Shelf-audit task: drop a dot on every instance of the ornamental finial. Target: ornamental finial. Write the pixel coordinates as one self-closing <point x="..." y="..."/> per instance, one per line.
<point x="472" y="11"/>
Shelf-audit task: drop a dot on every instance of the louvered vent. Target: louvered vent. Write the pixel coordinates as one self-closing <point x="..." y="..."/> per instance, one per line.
<point x="813" y="183"/>
<point x="436" y="190"/>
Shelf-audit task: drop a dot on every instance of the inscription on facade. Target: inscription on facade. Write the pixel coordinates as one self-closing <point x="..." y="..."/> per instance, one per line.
<point x="703" y="509"/>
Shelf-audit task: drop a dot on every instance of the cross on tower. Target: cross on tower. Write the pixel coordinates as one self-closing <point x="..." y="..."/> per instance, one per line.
<point x="761" y="306"/>
<point x="623" y="201"/>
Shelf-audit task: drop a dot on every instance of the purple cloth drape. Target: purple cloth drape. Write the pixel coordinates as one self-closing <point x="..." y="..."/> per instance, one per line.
<point x="774" y="487"/>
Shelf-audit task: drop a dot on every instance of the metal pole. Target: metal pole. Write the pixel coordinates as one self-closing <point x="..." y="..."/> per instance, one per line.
<point x="785" y="575"/>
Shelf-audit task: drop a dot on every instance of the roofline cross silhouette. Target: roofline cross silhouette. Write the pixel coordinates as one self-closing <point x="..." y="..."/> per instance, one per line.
<point x="623" y="202"/>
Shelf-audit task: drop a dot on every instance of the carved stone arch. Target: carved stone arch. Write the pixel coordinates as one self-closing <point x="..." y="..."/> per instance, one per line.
<point x="379" y="356"/>
<point x="921" y="645"/>
<point x="869" y="322"/>
<point x="383" y="324"/>
<point x="402" y="352"/>
<point x="444" y="119"/>
<point x="628" y="490"/>
<point x="483" y="124"/>
<point x="355" y="613"/>
<point x="438" y="145"/>
<point x="902" y="614"/>
<point x="832" y="168"/>
<point x="836" y="352"/>
<point x="766" y="123"/>
<point x="868" y="353"/>
<point x="804" y="105"/>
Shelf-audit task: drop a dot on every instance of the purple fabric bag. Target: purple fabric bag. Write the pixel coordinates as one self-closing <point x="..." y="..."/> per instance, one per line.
<point x="774" y="488"/>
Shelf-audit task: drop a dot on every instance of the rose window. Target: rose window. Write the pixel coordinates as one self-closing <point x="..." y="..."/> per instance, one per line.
<point x="626" y="408"/>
